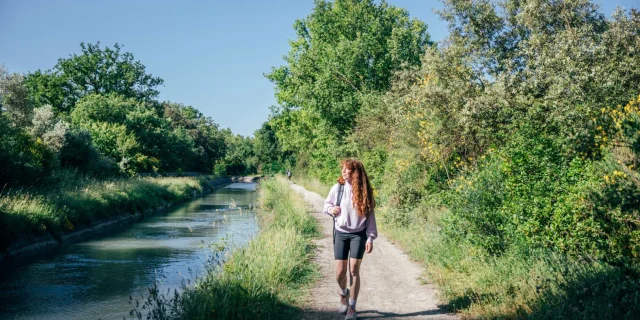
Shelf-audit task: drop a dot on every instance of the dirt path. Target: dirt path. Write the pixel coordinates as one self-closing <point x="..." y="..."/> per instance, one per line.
<point x="390" y="289"/>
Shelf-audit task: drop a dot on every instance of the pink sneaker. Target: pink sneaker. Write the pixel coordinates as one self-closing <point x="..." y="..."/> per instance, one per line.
<point x="351" y="314"/>
<point x="344" y="302"/>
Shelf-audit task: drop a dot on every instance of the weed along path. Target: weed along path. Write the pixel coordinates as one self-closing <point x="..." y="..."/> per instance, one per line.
<point x="391" y="283"/>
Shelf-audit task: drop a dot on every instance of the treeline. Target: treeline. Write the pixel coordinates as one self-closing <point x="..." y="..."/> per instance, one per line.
<point x="524" y="124"/>
<point x="97" y="113"/>
<point x="74" y="140"/>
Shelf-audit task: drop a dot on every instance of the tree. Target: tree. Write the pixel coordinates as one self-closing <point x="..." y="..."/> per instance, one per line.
<point x="270" y="156"/>
<point x="50" y="88"/>
<point x="239" y="156"/>
<point x="117" y="125"/>
<point x="79" y="152"/>
<point x="105" y="108"/>
<point x="337" y="57"/>
<point x="94" y="71"/>
<point x="14" y="98"/>
<point x="23" y="159"/>
<point x="529" y="112"/>
<point x="50" y="130"/>
<point x="208" y="140"/>
<point x="344" y="49"/>
<point x="266" y="146"/>
<point x="563" y="57"/>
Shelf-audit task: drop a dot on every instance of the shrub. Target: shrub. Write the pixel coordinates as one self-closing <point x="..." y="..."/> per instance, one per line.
<point x="529" y="194"/>
<point x="23" y="159"/>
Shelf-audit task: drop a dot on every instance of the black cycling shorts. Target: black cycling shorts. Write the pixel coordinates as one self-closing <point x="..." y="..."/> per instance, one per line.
<point x="349" y="242"/>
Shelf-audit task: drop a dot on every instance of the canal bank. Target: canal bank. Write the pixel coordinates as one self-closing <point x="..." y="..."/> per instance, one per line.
<point x="29" y="245"/>
<point x="94" y="278"/>
<point x="269" y="278"/>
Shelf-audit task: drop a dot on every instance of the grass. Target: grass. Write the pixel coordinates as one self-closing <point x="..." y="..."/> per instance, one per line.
<point x="69" y="201"/>
<point x="312" y="184"/>
<point x="268" y="279"/>
<point x="520" y="284"/>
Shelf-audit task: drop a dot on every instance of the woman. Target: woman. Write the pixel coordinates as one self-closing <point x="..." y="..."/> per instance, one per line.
<point x="355" y="228"/>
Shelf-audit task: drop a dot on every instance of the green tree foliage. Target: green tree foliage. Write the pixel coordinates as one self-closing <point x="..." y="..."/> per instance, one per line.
<point x="50" y="88"/>
<point x="51" y="131"/>
<point x="94" y="71"/>
<point x="117" y="143"/>
<point x="95" y="111"/>
<point x="563" y="57"/>
<point x="141" y="139"/>
<point x="14" y="98"/>
<point x="531" y="195"/>
<point x="117" y="73"/>
<point x="523" y="122"/>
<point x="23" y="159"/>
<point x="209" y="143"/>
<point x="80" y="153"/>
<point x="131" y="133"/>
<point x="269" y="153"/>
<point x="104" y="117"/>
<point x="343" y="50"/>
<point x="239" y="156"/>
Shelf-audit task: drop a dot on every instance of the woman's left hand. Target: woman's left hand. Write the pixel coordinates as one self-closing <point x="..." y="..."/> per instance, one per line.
<point x="368" y="247"/>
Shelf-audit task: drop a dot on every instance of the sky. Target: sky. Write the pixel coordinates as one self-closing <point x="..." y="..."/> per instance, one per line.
<point x="212" y="54"/>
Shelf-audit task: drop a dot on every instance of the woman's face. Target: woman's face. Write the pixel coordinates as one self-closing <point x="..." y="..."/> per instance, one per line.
<point x="346" y="173"/>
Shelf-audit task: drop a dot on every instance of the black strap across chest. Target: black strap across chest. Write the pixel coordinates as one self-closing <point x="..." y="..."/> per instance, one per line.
<point x="338" y="200"/>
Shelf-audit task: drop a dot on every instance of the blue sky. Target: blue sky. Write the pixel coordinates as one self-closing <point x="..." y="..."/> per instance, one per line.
<point x="211" y="54"/>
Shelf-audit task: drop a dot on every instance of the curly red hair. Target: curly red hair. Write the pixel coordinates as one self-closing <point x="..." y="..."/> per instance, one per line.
<point x="362" y="191"/>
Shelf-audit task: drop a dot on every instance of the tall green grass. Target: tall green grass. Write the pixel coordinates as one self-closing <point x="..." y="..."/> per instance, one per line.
<point x="265" y="280"/>
<point x="312" y="184"/>
<point x="70" y="200"/>
<point x="523" y="284"/>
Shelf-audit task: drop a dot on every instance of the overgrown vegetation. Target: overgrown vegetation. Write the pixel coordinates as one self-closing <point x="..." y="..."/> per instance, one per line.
<point x="509" y="150"/>
<point x="521" y="283"/>
<point x="265" y="280"/>
<point x="71" y="201"/>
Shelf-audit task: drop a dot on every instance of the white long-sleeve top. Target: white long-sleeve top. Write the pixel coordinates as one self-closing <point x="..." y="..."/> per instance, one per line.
<point x="354" y="222"/>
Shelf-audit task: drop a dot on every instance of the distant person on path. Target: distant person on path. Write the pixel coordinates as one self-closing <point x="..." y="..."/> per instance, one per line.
<point x="289" y="174"/>
<point x="350" y="202"/>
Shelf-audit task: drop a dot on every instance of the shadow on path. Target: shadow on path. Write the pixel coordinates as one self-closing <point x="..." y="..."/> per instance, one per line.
<point x="377" y="314"/>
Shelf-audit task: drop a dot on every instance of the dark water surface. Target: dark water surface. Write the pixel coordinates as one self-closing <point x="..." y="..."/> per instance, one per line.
<point x="94" y="279"/>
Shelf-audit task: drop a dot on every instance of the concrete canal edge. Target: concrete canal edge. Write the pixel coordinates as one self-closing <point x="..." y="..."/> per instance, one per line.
<point x="31" y="247"/>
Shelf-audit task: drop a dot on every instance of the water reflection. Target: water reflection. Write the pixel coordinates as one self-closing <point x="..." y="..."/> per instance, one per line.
<point x="94" y="279"/>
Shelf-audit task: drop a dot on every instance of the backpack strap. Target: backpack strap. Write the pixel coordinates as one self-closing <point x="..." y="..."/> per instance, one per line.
<point x="338" y="200"/>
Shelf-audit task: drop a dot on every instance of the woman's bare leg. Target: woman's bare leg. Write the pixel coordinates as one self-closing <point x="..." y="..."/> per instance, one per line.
<point x="341" y="273"/>
<point x="355" y="275"/>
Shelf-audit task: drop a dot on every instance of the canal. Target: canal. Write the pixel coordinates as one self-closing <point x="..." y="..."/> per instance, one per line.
<point x="95" y="279"/>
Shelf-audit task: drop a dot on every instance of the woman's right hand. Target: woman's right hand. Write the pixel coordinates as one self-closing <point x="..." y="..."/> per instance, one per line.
<point x="335" y="211"/>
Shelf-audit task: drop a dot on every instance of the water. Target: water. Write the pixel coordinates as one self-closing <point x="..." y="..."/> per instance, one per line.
<point x="94" y="279"/>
